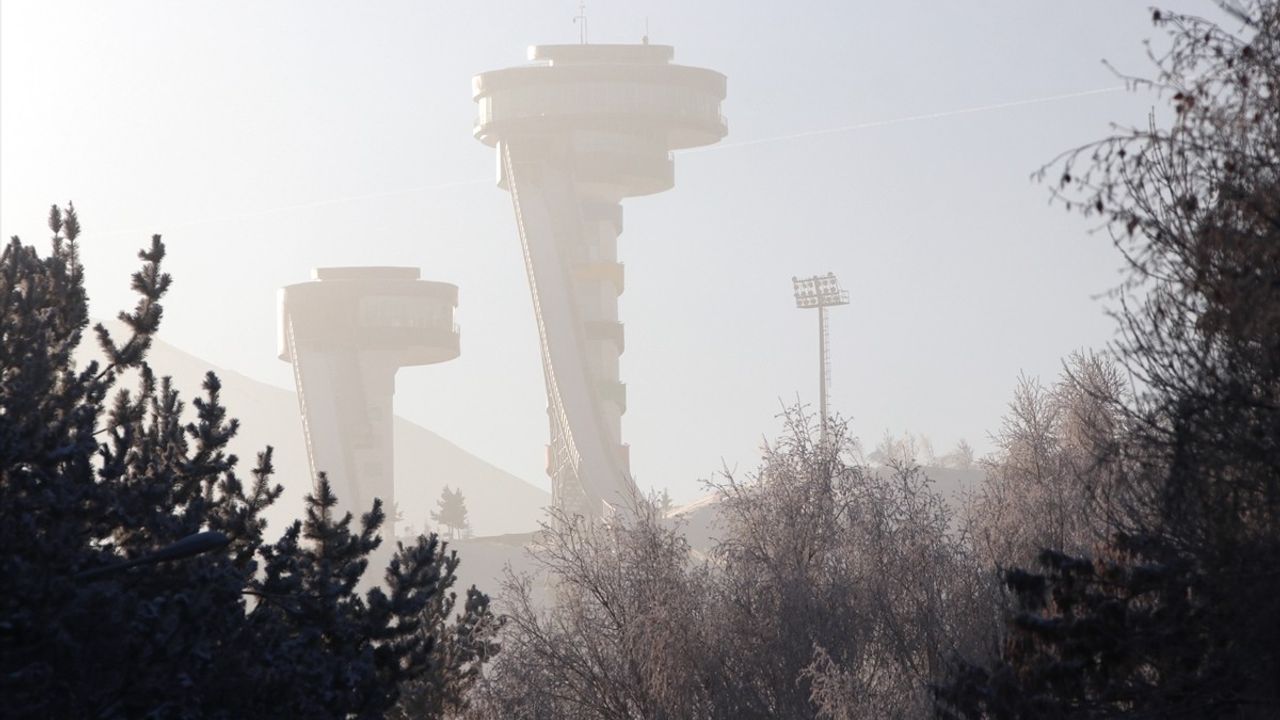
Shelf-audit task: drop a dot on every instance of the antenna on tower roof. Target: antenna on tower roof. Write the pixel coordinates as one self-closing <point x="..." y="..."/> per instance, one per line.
<point x="645" y="40"/>
<point x="581" y="21"/>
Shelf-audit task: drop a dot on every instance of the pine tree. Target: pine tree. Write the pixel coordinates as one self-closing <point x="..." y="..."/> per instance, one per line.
<point x="664" y="503"/>
<point x="95" y="477"/>
<point x="452" y="512"/>
<point x="462" y="644"/>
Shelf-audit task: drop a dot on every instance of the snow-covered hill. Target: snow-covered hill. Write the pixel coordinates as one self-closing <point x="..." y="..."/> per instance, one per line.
<point x="497" y="501"/>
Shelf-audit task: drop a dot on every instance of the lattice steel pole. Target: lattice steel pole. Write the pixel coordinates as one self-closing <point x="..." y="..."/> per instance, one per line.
<point x="821" y="292"/>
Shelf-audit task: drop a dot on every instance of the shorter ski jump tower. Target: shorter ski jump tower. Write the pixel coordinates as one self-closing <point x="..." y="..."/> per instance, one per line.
<point x="346" y="333"/>
<point x="577" y="131"/>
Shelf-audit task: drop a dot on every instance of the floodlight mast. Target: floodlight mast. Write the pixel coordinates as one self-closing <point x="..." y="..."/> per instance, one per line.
<point x="821" y="292"/>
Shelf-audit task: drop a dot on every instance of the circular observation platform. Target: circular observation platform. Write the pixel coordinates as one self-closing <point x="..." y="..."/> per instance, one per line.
<point x="603" y="87"/>
<point x="621" y="108"/>
<point x="387" y="310"/>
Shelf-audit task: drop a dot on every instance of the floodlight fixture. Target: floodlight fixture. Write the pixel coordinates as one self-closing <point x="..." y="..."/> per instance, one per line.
<point x="819" y="291"/>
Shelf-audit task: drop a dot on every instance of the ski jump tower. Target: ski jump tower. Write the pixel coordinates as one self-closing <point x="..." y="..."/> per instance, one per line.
<point x="346" y="333"/>
<point x="577" y="131"/>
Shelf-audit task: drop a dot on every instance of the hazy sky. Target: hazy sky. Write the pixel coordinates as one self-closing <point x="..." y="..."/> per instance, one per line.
<point x="265" y="138"/>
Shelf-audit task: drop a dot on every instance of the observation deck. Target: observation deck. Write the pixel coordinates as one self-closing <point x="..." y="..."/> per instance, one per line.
<point x="387" y="310"/>
<point x="619" y="109"/>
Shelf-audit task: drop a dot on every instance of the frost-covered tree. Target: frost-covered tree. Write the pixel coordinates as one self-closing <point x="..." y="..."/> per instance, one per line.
<point x="961" y="457"/>
<point x="95" y="477"/>
<point x="835" y="591"/>
<point x="1035" y="492"/>
<point x="1177" y="615"/>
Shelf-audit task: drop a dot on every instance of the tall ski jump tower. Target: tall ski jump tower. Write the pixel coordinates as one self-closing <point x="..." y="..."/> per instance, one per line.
<point x="577" y="131"/>
<point x="346" y="333"/>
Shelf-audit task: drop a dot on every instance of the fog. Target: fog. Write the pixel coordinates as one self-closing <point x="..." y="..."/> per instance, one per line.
<point x="890" y="144"/>
<point x="712" y="360"/>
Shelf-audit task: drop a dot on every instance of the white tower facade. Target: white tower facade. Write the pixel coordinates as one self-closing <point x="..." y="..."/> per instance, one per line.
<point x="346" y="333"/>
<point x="576" y="132"/>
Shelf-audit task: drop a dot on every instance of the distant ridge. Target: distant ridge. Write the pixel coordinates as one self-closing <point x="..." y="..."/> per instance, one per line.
<point x="497" y="501"/>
